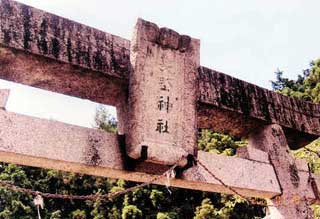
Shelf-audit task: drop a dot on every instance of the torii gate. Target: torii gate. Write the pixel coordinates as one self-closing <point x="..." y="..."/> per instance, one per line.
<point x="163" y="96"/>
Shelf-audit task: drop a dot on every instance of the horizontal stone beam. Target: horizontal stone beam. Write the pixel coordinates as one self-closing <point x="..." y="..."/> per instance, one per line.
<point x="234" y="106"/>
<point x="49" y="144"/>
<point x="50" y="52"/>
<point x="45" y="34"/>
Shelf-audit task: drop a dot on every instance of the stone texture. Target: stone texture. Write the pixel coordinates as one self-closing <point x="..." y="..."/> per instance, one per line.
<point x="35" y="44"/>
<point x="252" y="153"/>
<point x="302" y="164"/>
<point x="246" y="177"/>
<point x="49" y="144"/>
<point x="169" y="38"/>
<point x="4" y="95"/>
<point x="57" y="141"/>
<point x="162" y="95"/>
<point x="45" y="34"/>
<point x="222" y="93"/>
<point x="295" y="185"/>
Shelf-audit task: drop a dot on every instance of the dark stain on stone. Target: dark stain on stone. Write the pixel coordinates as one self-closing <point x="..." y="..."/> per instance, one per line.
<point x="78" y="52"/>
<point x="15" y="36"/>
<point x="26" y="27"/>
<point x="87" y="57"/>
<point x="241" y="98"/>
<point x="92" y="156"/>
<point x="235" y="97"/>
<point x="69" y="50"/>
<point x="7" y="37"/>
<point x="222" y="80"/>
<point x="274" y="110"/>
<point x="294" y="177"/>
<point x="303" y="128"/>
<point x="55" y="47"/>
<point x="42" y="42"/>
<point x="184" y="43"/>
<point x="97" y="60"/>
<point x="263" y="105"/>
<point x="7" y="7"/>
<point x="293" y="123"/>
<point x="114" y="64"/>
<point x="117" y="63"/>
<point x="125" y="57"/>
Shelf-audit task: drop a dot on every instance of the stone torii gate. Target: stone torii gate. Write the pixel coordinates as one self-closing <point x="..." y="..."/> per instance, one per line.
<point x="163" y="96"/>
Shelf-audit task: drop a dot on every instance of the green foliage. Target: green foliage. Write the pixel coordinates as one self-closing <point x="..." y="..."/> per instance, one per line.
<point x="306" y="87"/>
<point x="167" y="215"/>
<point x="56" y="215"/>
<point x="316" y="210"/>
<point x="131" y="212"/>
<point x="104" y="120"/>
<point x="78" y="214"/>
<point x="206" y="210"/>
<point x="219" y="143"/>
<point x="156" y="197"/>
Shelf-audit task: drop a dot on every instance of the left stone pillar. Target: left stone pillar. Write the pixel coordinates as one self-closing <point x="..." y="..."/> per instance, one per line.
<point x="163" y="93"/>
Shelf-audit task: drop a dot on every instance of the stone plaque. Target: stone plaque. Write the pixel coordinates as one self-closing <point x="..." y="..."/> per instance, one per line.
<point x="163" y="94"/>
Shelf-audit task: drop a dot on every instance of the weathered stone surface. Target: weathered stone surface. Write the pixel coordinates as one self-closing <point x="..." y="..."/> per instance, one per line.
<point x="169" y="38"/>
<point x="226" y="104"/>
<point x="59" y="77"/>
<point x="221" y="92"/>
<point x="45" y="34"/>
<point x="252" y="153"/>
<point x="4" y="95"/>
<point x="49" y="144"/>
<point x="246" y="175"/>
<point x="296" y="189"/>
<point x="57" y="141"/>
<point x="162" y="95"/>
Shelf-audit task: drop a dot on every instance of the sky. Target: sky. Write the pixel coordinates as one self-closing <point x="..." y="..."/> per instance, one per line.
<point x="247" y="39"/>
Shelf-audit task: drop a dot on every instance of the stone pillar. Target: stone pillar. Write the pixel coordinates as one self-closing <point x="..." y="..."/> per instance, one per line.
<point x="163" y="93"/>
<point x="293" y="202"/>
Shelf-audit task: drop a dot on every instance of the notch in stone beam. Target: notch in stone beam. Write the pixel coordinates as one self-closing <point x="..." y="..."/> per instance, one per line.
<point x="4" y="95"/>
<point x="163" y="93"/>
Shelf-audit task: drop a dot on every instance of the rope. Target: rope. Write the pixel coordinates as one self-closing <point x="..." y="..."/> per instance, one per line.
<point x="167" y="175"/>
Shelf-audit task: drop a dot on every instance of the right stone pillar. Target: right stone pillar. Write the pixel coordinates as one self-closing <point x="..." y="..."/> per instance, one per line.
<point x="292" y="204"/>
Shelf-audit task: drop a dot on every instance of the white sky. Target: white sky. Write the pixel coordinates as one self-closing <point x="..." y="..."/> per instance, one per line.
<point x="247" y="39"/>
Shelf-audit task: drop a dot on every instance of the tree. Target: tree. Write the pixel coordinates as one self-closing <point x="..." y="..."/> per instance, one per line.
<point x="104" y="120"/>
